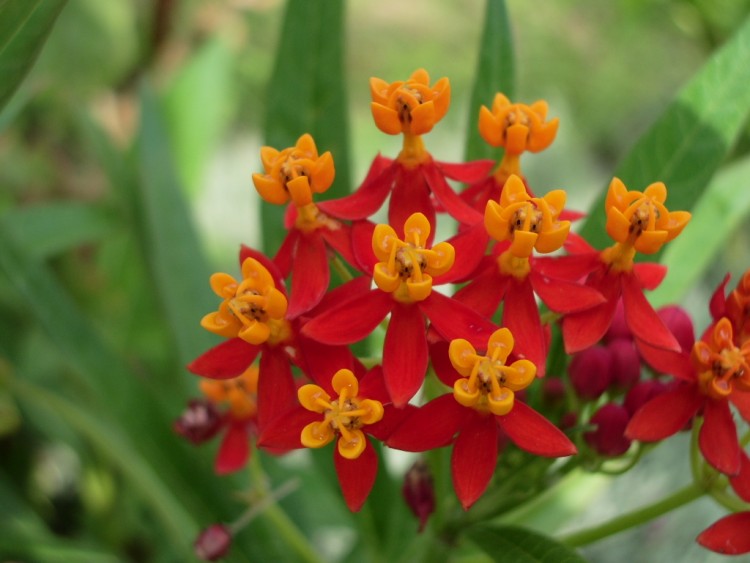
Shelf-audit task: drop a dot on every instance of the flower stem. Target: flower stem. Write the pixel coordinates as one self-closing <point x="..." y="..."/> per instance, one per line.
<point x="340" y="268"/>
<point x="677" y="499"/>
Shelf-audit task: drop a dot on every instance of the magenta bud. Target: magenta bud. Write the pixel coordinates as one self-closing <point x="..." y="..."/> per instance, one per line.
<point x="618" y="329"/>
<point x="590" y="372"/>
<point x="553" y="391"/>
<point x="642" y="393"/>
<point x="199" y="422"/>
<point x="213" y="542"/>
<point x="608" y="438"/>
<point x="680" y="324"/>
<point x="625" y="363"/>
<point x="419" y="491"/>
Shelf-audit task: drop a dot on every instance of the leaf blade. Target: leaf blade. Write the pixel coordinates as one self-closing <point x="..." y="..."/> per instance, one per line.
<point x="511" y="544"/>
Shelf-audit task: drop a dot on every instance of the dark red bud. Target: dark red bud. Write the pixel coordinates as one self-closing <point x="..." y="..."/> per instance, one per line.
<point x="680" y="324"/>
<point x="608" y="438"/>
<point x="626" y="363"/>
<point x="213" y="542"/>
<point x="553" y="391"/>
<point x="590" y="372"/>
<point x="641" y="394"/>
<point x="619" y="328"/>
<point x="419" y="491"/>
<point x="199" y="422"/>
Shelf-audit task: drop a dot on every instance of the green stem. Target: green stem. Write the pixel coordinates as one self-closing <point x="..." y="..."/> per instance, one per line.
<point x="341" y="269"/>
<point x="677" y="499"/>
<point x="282" y="524"/>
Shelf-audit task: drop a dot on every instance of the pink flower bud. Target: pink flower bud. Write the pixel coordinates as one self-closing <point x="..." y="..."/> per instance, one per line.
<point x="419" y="491"/>
<point x="608" y="438"/>
<point x="642" y="393"/>
<point x="199" y="422"/>
<point x="213" y="542"/>
<point x="625" y="363"/>
<point x="680" y="324"/>
<point x="590" y="372"/>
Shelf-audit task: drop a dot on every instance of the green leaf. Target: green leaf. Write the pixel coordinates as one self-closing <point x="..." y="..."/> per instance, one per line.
<point x="197" y="107"/>
<point x="510" y="544"/>
<point x="49" y="229"/>
<point x="693" y="136"/>
<point x="495" y="73"/>
<point x="24" y="26"/>
<point x="719" y="213"/>
<point x="306" y="95"/>
<point x="179" y="270"/>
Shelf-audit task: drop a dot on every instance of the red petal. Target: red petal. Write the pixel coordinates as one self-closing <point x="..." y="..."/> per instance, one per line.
<point x="441" y="363"/>
<point x="285" y="254"/>
<point x="470" y="245"/>
<point x="351" y="320"/>
<point x="430" y="426"/>
<point x="741" y="481"/>
<point x="677" y="364"/>
<point x="649" y="275"/>
<point x="362" y="246"/>
<point x="583" y="329"/>
<point x="234" y="450"/>
<point x="521" y="316"/>
<point x="310" y="275"/>
<point x="283" y="434"/>
<point x="449" y="200"/>
<point x="474" y="458"/>
<point x="392" y="419"/>
<point x="321" y="361"/>
<point x="404" y="353"/>
<point x="742" y="402"/>
<point x="572" y="268"/>
<point x="356" y="476"/>
<point x="340" y="239"/>
<point x="335" y="297"/>
<point x="277" y="393"/>
<point x="564" y="296"/>
<point x="410" y="195"/>
<point x="452" y="319"/>
<point x="718" y="302"/>
<point x="228" y="359"/>
<point x="466" y="172"/>
<point x="641" y="318"/>
<point x="729" y="535"/>
<point x="485" y="292"/>
<point x="665" y="414"/>
<point x="369" y="196"/>
<point x="533" y="433"/>
<point x="718" y="437"/>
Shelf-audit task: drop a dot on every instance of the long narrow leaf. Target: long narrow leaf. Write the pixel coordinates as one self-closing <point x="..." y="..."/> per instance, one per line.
<point x="306" y="95"/>
<point x="178" y="267"/>
<point x="693" y="136"/>
<point x="722" y="209"/>
<point x="24" y="27"/>
<point x="495" y="73"/>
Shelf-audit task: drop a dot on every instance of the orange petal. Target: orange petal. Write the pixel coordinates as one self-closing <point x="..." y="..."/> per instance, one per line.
<point x="386" y="119"/>
<point x="270" y="189"/>
<point x="490" y="127"/>
<point x="306" y="144"/>
<point x="463" y="356"/>
<point x="310" y="397"/>
<point x="323" y="173"/>
<point x="500" y="345"/>
<point x="423" y="118"/>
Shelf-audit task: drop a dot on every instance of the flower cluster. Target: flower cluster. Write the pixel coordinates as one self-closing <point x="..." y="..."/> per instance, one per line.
<point x="454" y="370"/>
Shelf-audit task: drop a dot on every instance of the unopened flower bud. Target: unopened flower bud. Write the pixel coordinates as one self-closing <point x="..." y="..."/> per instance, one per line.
<point x="213" y="542"/>
<point x="625" y="363"/>
<point x="419" y="491"/>
<point x="199" y="422"/>
<point x="642" y="393"/>
<point x="608" y="438"/>
<point x="619" y="328"/>
<point x="679" y="324"/>
<point x="590" y="372"/>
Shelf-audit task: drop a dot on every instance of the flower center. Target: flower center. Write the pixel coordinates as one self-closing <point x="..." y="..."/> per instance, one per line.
<point x="722" y="366"/>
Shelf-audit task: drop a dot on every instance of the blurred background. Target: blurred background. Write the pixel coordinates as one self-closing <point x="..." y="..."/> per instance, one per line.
<point x="129" y="96"/>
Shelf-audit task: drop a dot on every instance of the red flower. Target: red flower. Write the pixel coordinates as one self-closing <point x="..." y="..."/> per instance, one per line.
<point x="481" y="409"/>
<point x="344" y="409"/>
<point x="637" y="221"/>
<point x="404" y="277"/>
<point x="521" y="224"/>
<point x="719" y="373"/>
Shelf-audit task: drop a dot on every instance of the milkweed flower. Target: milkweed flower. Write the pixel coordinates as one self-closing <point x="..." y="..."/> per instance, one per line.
<point x="713" y="374"/>
<point x="344" y="409"/>
<point x="414" y="180"/>
<point x="404" y="275"/>
<point x="638" y="222"/>
<point x="481" y="409"/>
<point x="522" y="224"/>
<point x="264" y="330"/>
<point x="295" y="174"/>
